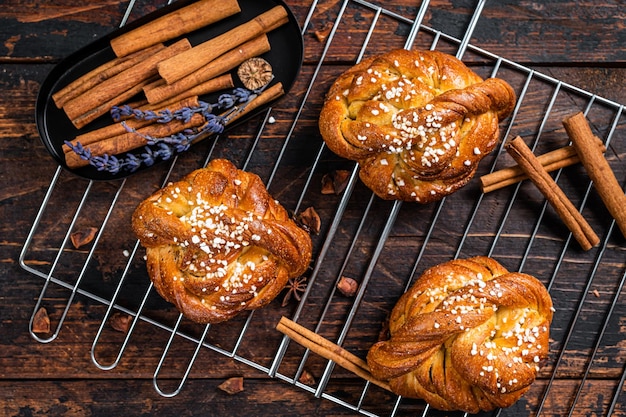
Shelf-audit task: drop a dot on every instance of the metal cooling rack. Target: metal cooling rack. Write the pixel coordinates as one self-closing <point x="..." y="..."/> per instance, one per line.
<point x="364" y="237"/>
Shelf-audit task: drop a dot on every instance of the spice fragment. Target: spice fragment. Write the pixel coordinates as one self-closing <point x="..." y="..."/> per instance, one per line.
<point x="310" y="221"/>
<point x="307" y="378"/>
<point x="335" y="182"/>
<point x="83" y="237"/>
<point x="295" y="287"/>
<point x="322" y="34"/>
<point x="120" y="322"/>
<point x="347" y="286"/>
<point x="41" y="321"/>
<point x="232" y="385"/>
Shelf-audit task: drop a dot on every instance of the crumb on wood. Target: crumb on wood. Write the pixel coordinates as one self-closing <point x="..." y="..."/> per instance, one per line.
<point x="347" y="286"/>
<point x="120" y="322"/>
<point x="83" y="237"/>
<point x="310" y="220"/>
<point x="232" y="385"/>
<point x="41" y="321"/>
<point x="307" y="378"/>
<point x="335" y="182"/>
<point x="322" y="34"/>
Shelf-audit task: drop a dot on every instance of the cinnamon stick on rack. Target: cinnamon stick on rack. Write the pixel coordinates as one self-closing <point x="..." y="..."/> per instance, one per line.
<point x="177" y="67"/>
<point x="551" y="161"/>
<point x="179" y="22"/>
<point x="328" y="350"/>
<point x="575" y="222"/>
<point x="597" y="168"/>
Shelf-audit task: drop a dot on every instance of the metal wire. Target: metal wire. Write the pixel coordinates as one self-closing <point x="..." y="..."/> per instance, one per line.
<point x="391" y="212"/>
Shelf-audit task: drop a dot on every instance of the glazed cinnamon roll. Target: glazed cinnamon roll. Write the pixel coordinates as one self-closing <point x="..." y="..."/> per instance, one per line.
<point x="468" y="335"/>
<point x="417" y="122"/>
<point x="217" y="243"/>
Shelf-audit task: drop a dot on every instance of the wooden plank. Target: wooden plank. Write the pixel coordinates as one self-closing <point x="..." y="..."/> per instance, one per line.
<point x="50" y="32"/>
<point x="260" y="397"/>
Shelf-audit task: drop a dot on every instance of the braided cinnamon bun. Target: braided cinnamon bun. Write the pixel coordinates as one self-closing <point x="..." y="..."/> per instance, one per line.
<point x="217" y="243"/>
<point x="417" y="122"/>
<point x="468" y="335"/>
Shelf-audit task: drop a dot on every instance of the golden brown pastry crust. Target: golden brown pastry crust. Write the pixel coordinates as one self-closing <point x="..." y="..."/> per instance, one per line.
<point x="417" y="122"/>
<point x="217" y="243"/>
<point x="468" y="335"/>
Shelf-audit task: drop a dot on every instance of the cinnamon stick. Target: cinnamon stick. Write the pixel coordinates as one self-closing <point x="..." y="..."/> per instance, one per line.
<point x="177" y="67"/>
<point x="179" y="22"/>
<point x="131" y="140"/>
<point x="105" y="106"/>
<point x="117" y="129"/>
<point x="575" y="222"/>
<point x="551" y="161"/>
<point x="159" y="91"/>
<point x="270" y="94"/>
<point x="328" y="350"/>
<point x="220" y="65"/>
<point x="100" y="74"/>
<point x="597" y="168"/>
<point x="106" y="132"/>
<point x="115" y="86"/>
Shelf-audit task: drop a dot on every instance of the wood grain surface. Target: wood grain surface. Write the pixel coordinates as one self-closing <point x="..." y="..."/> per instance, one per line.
<point x="578" y="43"/>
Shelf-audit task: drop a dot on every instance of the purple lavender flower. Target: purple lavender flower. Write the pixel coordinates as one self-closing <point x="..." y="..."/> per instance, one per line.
<point x="163" y="148"/>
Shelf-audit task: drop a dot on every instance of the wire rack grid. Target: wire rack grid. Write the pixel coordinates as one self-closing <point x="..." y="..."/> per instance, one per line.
<point x="382" y="244"/>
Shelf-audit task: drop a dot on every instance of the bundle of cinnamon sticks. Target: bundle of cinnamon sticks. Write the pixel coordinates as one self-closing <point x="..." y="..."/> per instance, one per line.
<point x="164" y="73"/>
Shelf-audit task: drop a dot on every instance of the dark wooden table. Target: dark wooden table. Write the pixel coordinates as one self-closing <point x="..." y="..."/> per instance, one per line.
<point x="580" y="44"/>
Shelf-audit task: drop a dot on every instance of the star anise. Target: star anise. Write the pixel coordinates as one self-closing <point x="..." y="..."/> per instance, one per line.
<point x="295" y="287"/>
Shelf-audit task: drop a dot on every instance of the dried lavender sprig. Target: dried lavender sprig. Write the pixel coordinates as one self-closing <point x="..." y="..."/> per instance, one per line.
<point x="214" y="123"/>
<point x="129" y="162"/>
<point x="224" y="101"/>
<point x="183" y="140"/>
<point x="156" y="148"/>
<point x="166" y="147"/>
